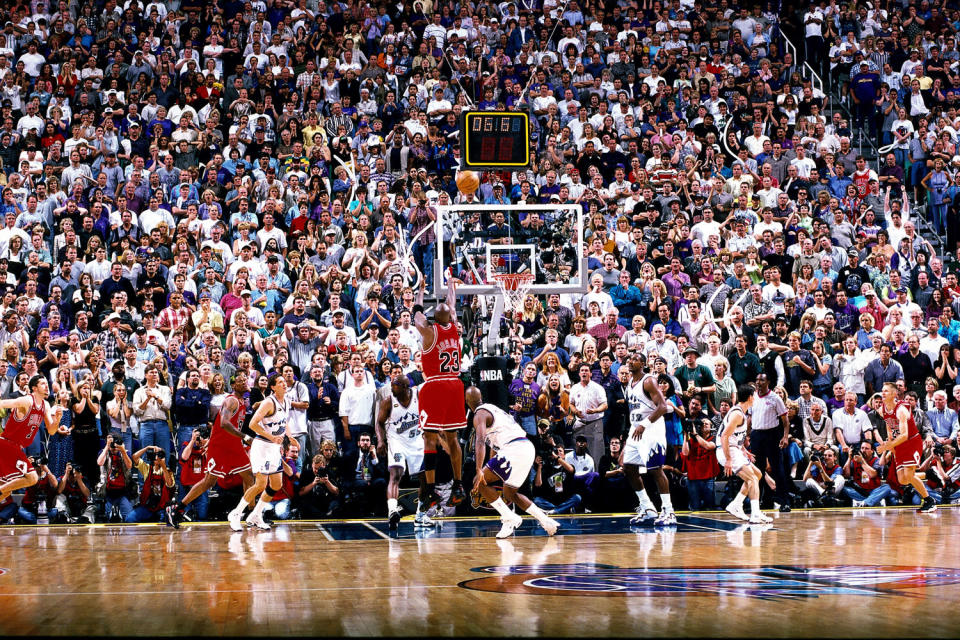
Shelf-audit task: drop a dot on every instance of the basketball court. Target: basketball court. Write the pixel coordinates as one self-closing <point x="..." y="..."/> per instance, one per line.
<point x="832" y="573"/>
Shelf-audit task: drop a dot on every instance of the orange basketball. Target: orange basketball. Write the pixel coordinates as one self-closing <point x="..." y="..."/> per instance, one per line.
<point x="468" y="181"/>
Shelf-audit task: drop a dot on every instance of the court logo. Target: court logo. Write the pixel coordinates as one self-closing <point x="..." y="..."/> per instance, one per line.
<point x="763" y="583"/>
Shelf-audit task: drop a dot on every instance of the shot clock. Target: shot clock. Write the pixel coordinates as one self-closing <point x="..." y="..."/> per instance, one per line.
<point x="495" y="140"/>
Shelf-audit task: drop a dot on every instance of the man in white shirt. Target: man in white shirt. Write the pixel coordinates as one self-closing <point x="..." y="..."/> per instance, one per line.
<point x="588" y="403"/>
<point x="356" y="410"/>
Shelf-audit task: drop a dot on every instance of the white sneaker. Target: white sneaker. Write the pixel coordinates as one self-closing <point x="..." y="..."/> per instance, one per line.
<point x="643" y="517"/>
<point x="667" y="519"/>
<point x="551" y="526"/>
<point x="737" y="511"/>
<point x="509" y="526"/>
<point x="236" y="520"/>
<point x="422" y="520"/>
<point x="257" y="522"/>
<point x="764" y="517"/>
<point x="858" y="503"/>
<point x="759" y="518"/>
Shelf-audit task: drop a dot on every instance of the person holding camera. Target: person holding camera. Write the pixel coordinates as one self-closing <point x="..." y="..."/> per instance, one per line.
<point x="193" y="465"/>
<point x="864" y="484"/>
<point x="945" y="468"/>
<point x="73" y="498"/>
<point x="116" y="464"/>
<point x="319" y="495"/>
<point x="158" y="486"/>
<point x="822" y="475"/>
<point x="701" y="464"/>
<point x="39" y="498"/>
<point x="552" y="483"/>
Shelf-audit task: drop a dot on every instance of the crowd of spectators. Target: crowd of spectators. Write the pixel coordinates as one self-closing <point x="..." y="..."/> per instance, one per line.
<point x="195" y="191"/>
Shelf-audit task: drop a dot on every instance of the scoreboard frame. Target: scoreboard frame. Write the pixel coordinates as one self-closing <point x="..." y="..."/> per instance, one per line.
<point x="465" y="143"/>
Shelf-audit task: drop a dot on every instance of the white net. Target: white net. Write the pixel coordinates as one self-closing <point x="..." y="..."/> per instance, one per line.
<point x="514" y="287"/>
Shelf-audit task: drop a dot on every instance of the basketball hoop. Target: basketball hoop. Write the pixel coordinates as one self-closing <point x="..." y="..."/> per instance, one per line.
<point x="514" y="287"/>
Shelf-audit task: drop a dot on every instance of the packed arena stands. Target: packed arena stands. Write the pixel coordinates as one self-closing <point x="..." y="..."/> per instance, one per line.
<point x="195" y="192"/>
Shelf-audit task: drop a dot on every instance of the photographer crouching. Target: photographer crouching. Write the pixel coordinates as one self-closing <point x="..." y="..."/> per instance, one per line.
<point x="158" y="486"/>
<point x="193" y="469"/>
<point x="42" y="494"/>
<point x="823" y="475"/>
<point x="117" y="464"/>
<point x="73" y="498"/>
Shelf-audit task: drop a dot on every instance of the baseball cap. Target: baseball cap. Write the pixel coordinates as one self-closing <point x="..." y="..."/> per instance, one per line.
<point x="113" y="316"/>
<point x="853" y="252"/>
<point x="331" y="229"/>
<point x="205" y="294"/>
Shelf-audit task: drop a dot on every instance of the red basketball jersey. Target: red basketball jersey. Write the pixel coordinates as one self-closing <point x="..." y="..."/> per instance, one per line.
<point x="893" y="423"/>
<point x="23" y="431"/>
<point x="220" y="438"/>
<point x="442" y="360"/>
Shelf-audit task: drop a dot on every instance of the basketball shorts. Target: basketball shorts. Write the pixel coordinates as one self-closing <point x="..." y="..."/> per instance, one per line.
<point x="513" y="462"/>
<point x="13" y="461"/>
<point x="266" y="457"/>
<point x="650" y="451"/>
<point x="229" y="460"/>
<point x="908" y="454"/>
<point x="406" y="453"/>
<point x="738" y="459"/>
<point x="442" y="406"/>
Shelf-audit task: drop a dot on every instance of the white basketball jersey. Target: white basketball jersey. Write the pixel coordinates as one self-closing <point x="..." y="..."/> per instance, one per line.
<point x="404" y="422"/>
<point x="504" y="428"/>
<point x="640" y="404"/>
<point x="739" y="434"/>
<point x="276" y="424"/>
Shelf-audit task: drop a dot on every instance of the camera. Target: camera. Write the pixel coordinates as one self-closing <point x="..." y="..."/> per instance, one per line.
<point x="151" y="456"/>
<point x="39" y="461"/>
<point x="938" y="449"/>
<point x="816" y="457"/>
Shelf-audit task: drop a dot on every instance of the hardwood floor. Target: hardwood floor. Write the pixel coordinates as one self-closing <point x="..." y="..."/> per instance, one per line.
<point x="884" y="572"/>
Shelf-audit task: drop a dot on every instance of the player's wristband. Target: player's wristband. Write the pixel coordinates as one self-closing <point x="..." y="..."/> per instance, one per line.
<point x="645" y="423"/>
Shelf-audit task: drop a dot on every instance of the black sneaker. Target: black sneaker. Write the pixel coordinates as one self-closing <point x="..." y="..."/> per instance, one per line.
<point x="785" y="508"/>
<point x="395" y="516"/>
<point x="927" y="506"/>
<point x="456" y="495"/>
<point x="178" y="517"/>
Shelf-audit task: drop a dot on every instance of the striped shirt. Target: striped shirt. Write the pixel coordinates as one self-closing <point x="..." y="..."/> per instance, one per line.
<point x="766" y="411"/>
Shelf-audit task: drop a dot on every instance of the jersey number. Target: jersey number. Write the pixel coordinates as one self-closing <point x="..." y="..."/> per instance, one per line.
<point x="449" y="362"/>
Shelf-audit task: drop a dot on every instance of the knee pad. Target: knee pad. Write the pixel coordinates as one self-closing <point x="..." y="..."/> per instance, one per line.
<point x="429" y="460"/>
<point x="270" y="491"/>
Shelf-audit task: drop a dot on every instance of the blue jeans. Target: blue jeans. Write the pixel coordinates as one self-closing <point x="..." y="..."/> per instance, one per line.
<point x="142" y="514"/>
<point x="701" y="494"/>
<point x="529" y="424"/>
<point x="884" y="491"/>
<point x="120" y="501"/>
<point x="567" y="506"/>
<point x="281" y="509"/>
<point x="13" y="509"/>
<point x="933" y="494"/>
<point x="200" y="505"/>
<point x="423" y="254"/>
<point x="156" y="433"/>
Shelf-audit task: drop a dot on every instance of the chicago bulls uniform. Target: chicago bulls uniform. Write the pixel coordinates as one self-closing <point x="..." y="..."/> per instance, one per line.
<point x="225" y="453"/>
<point x="441" y="396"/>
<point x="17" y="434"/>
<point x="906" y="454"/>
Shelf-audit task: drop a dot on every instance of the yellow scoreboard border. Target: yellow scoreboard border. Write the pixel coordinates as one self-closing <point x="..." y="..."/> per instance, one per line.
<point x="465" y="164"/>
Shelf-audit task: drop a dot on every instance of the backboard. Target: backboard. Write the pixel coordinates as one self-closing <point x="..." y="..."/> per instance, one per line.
<point x="480" y="240"/>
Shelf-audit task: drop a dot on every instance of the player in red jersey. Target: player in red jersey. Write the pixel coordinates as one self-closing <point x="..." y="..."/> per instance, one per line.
<point x="225" y="453"/>
<point x="28" y="413"/>
<point x="905" y="442"/>
<point x="442" y="409"/>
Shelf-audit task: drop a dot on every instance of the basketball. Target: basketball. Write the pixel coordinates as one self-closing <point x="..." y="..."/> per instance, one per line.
<point x="468" y="181"/>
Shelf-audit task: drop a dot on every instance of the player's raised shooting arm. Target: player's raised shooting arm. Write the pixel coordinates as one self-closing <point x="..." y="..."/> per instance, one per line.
<point x="451" y="299"/>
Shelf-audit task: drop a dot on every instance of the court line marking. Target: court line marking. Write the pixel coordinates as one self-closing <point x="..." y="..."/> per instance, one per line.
<point x="325" y="533"/>
<point x="208" y="591"/>
<point x="375" y="530"/>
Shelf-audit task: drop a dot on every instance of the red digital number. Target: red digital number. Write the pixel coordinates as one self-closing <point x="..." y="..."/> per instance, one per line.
<point x="506" y="149"/>
<point x="488" y="149"/>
